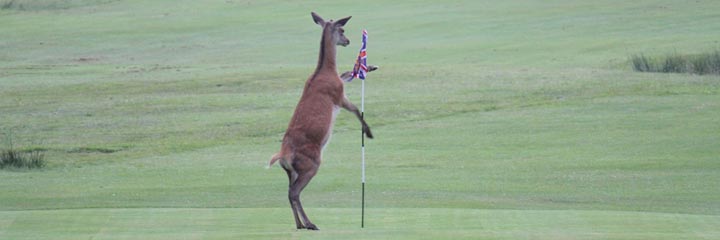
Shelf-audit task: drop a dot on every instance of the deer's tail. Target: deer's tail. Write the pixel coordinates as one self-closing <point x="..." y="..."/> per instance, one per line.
<point x="274" y="159"/>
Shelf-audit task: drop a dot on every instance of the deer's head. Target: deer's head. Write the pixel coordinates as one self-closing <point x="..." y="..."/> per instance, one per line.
<point x="335" y="28"/>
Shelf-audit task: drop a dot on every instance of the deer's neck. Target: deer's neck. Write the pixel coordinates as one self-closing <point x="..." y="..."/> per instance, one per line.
<point x="328" y="51"/>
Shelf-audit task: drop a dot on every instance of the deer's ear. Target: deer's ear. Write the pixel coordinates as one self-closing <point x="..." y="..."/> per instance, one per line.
<point x="318" y="20"/>
<point x="342" y="22"/>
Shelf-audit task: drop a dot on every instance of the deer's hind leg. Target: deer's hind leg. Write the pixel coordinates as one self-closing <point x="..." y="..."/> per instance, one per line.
<point x="304" y="174"/>
<point x="292" y="177"/>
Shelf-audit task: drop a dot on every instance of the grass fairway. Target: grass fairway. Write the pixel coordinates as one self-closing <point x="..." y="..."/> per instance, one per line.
<point x="395" y="223"/>
<point x="512" y="120"/>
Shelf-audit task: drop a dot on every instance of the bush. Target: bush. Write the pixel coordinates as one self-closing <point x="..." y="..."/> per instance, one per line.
<point x="705" y="63"/>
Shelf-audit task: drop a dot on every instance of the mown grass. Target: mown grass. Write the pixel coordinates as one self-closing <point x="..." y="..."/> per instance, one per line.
<point x="515" y="119"/>
<point x="38" y="5"/>
<point x="415" y="223"/>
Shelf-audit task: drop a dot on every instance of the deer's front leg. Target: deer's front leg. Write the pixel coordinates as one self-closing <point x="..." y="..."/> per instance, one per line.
<point x="347" y="76"/>
<point x="347" y="105"/>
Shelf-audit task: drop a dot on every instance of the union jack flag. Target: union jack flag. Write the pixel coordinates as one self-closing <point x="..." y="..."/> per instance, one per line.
<point x="360" y="69"/>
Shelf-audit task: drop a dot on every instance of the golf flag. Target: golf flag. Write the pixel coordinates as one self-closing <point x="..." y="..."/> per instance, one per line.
<point x="360" y="69"/>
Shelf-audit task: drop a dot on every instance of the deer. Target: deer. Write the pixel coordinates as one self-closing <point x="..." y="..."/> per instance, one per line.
<point x="310" y="127"/>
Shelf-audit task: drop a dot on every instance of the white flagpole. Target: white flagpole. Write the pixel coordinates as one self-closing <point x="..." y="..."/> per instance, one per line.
<point x="362" y="113"/>
<point x="362" y="133"/>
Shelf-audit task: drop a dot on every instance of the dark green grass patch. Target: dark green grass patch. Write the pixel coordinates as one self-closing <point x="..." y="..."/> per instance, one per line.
<point x="13" y="158"/>
<point x="93" y="150"/>
<point x="704" y="63"/>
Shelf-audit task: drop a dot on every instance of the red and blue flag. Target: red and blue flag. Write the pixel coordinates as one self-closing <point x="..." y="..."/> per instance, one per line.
<point x="361" y="68"/>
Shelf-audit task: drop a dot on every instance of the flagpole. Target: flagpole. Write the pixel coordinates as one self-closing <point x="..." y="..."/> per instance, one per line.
<point x="362" y="113"/>
<point x="362" y="132"/>
<point x="360" y="71"/>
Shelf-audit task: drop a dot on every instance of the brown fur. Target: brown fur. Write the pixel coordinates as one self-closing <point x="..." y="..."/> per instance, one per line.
<point x="311" y="124"/>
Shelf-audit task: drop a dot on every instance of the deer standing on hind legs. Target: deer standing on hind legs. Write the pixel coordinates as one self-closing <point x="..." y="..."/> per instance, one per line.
<point x="311" y="125"/>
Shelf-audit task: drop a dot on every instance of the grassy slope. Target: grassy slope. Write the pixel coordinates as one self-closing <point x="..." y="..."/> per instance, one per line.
<point x="526" y="106"/>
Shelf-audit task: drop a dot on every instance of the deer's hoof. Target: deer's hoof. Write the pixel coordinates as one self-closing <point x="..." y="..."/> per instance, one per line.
<point x="368" y="133"/>
<point x="312" y="227"/>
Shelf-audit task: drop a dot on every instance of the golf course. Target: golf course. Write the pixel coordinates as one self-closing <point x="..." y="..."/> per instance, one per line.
<point x="517" y="119"/>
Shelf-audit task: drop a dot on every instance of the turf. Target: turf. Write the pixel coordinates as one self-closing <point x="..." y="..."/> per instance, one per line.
<point x="415" y="223"/>
<point x="512" y="120"/>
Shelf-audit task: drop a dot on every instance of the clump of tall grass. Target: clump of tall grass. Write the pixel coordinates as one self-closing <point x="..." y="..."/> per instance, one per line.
<point x="704" y="63"/>
<point x="11" y="157"/>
